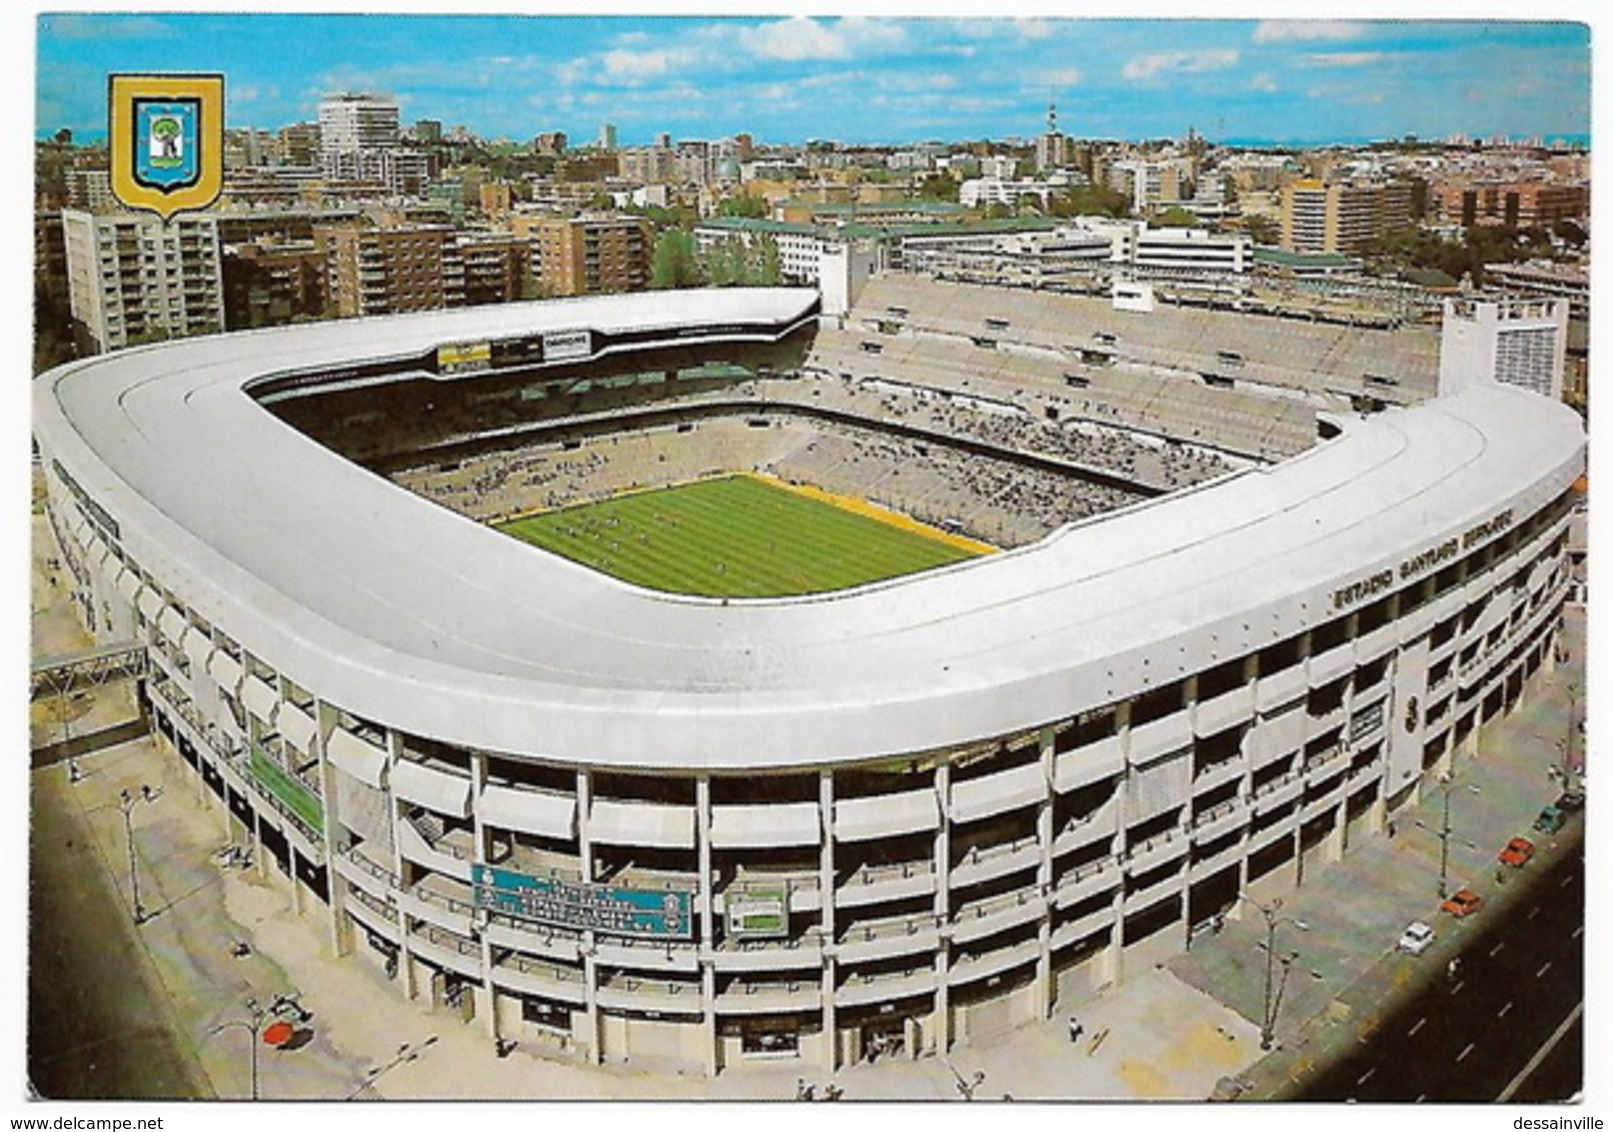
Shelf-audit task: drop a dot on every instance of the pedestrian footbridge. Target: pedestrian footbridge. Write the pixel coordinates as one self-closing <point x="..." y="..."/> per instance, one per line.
<point x="95" y="668"/>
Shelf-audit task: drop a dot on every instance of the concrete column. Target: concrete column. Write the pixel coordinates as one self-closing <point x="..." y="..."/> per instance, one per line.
<point x="406" y="964"/>
<point x="942" y="853"/>
<point x="1377" y="818"/>
<point x="1044" y="988"/>
<point x="339" y="933"/>
<point x="481" y="838"/>
<point x="202" y="792"/>
<point x="1334" y="844"/>
<point x="1113" y="965"/>
<point x="298" y="900"/>
<point x="260" y="855"/>
<point x="826" y="934"/>
<point x="706" y="926"/>
<point x="585" y="857"/>
<point x="1185" y="915"/>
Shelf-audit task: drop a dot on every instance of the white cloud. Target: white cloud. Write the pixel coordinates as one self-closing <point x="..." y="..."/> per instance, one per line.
<point x="1344" y="59"/>
<point x="1179" y="63"/>
<point x="637" y="66"/>
<point x="794" y="39"/>
<point x="804" y="38"/>
<point x="864" y="34"/>
<point x="1264" y="83"/>
<point x="244" y="93"/>
<point x="104" y="27"/>
<point x="1060" y="77"/>
<point x="1289" y="31"/>
<point x="1033" y="28"/>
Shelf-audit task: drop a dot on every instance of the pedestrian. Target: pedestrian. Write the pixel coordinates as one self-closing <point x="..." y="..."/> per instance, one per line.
<point x="1074" y="1025"/>
<point x="1389" y="829"/>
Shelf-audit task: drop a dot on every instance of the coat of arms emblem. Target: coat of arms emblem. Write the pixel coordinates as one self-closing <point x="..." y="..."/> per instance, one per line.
<point x="166" y="141"/>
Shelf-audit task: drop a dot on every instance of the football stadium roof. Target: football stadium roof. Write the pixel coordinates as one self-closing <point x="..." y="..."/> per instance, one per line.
<point x="395" y="608"/>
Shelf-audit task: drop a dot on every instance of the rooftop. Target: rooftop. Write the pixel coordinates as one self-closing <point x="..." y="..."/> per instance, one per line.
<point x="321" y="565"/>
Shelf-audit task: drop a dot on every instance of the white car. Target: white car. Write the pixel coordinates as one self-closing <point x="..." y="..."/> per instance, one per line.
<point x="1416" y="939"/>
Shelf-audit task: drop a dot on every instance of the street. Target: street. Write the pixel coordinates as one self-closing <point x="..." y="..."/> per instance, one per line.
<point x="1466" y="1034"/>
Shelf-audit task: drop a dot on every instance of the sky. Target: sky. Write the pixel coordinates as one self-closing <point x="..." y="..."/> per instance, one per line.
<point x="889" y="79"/>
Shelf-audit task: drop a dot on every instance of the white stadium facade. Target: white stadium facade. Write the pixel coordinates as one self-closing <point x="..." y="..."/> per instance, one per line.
<point x="609" y="822"/>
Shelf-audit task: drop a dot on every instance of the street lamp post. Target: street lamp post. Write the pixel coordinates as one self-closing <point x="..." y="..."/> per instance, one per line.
<point x="1272" y="996"/>
<point x="1444" y="832"/>
<point x="406" y="1053"/>
<point x="1445" y="836"/>
<point x="1568" y="763"/>
<point x="126" y="803"/>
<point x="252" y="1024"/>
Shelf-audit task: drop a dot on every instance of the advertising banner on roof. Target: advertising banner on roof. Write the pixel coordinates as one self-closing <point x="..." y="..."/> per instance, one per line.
<point x="464" y="357"/>
<point x="568" y="345"/>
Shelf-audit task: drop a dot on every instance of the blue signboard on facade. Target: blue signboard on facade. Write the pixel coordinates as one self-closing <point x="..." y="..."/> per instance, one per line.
<point x="651" y="913"/>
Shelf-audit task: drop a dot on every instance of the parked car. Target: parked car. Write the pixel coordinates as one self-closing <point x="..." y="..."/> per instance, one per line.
<point x="1416" y="939"/>
<point x="1517" y="852"/>
<point x="1571" y="801"/>
<point x="1550" y="820"/>
<point x="1463" y="902"/>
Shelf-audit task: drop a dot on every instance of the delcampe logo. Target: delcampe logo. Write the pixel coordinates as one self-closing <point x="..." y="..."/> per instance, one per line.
<point x="166" y="140"/>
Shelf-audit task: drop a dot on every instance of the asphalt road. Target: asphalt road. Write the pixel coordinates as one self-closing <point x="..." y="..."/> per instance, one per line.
<point x="95" y="1029"/>
<point x="1468" y="1036"/>
<point x="1561" y="1073"/>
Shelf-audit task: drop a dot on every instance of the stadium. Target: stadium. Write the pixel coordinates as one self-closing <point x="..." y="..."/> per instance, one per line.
<point x="1188" y="604"/>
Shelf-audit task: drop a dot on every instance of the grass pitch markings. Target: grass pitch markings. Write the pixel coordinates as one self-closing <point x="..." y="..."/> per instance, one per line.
<point x="738" y="536"/>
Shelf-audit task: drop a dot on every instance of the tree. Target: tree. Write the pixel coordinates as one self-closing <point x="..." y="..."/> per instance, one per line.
<point x="723" y="263"/>
<point x="771" y="275"/>
<point x="1263" y="229"/>
<point x="1090" y="200"/>
<point x="1570" y="233"/>
<point x="749" y="207"/>
<point x="672" y="263"/>
<point x="937" y="186"/>
<point x="1177" y="217"/>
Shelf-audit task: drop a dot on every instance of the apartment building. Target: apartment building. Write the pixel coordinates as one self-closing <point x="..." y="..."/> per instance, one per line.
<point x="497" y="267"/>
<point x="1517" y="204"/>
<point x="1327" y="217"/>
<point x="374" y="269"/>
<point x="355" y="123"/>
<point x="131" y="278"/>
<point x="272" y="283"/>
<point x="1151" y="184"/>
<point x="588" y="254"/>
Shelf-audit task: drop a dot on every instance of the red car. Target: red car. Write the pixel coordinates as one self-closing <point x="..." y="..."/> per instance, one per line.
<point x="1463" y="902"/>
<point x="1517" y="852"/>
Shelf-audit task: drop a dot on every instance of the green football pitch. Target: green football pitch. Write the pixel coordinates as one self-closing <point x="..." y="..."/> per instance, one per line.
<point x="733" y="537"/>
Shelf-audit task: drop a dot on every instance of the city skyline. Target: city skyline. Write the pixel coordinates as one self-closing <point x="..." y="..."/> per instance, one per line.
<point x="878" y="80"/>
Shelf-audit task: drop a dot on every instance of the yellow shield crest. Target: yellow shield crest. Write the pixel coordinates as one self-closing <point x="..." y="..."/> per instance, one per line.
<point x="165" y="136"/>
